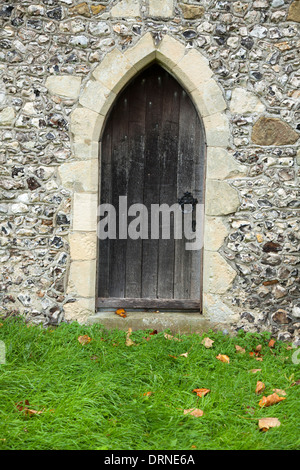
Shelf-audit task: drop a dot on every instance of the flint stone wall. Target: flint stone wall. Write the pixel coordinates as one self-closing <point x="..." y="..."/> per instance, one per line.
<point x="49" y="50"/>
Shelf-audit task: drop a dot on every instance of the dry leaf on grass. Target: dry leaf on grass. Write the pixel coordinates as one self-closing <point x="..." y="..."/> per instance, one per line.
<point x="121" y="312"/>
<point x="147" y="394"/>
<point x="270" y="400"/>
<point x="154" y="332"/>
<point x="184" y="354"/>
<point x="129" y="341"/>
<point x="271" y="345"/>
<point x="260" y="386"/>
<point x="207" y="342"/>
<point x="295" y="383"/>
<point x="85" y="339"/>
<point x="255" y="354"/>
<point x="266" y="423"/>
<point x="193" y="412"/>
<point x="201" y="392"/>
<point x="171" y="337"/>
<point x="28" y="411"/>
<point x="223" y="358"/>
<point x="254" y="371"/>
<point x="280" y="391"/>
<point x="239" y="349"/>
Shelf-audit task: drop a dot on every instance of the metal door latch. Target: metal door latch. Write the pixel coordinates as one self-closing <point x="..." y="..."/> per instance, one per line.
<point x="187" y="202"/>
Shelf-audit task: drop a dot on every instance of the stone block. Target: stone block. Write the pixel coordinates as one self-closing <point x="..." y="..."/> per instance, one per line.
<point x="192" y="12"/>
<point x="125" y="9"/>
<point x="192" y="70"/>
<point x="220" y="198"/>
<point x="83" y="246"/>
<point x="80" y="175"/>
<point x="85" y="212"/>
<point x="208" y="98"/>
<point x="245" y="102"/>
<point x="294" y="11"/>
<point x="161" y="9"/>
<point x="218" y="275"/>
<point x="7" y="116"/>
<point x="217" y="130"/>
<point x="215" y="233"/>
<point x="142" y="53"/>
<point x="97" y="97"/>
<point x="216" y="311"/>
<point x="80" y="310"/>
<point x="114" y="71"/>
<point x="220" y="165"/>
<point x="65" y="86"/>
<point x="273" y="131"/>
<point x="86" y="124"/>
<point x="82" y="278"/>
<point x="81" y="9"/>
<point x="170" y="52"/>
<point x="85" y="149"/>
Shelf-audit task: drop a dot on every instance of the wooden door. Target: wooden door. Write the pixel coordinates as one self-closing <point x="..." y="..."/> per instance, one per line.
<point x="152" y="151"/>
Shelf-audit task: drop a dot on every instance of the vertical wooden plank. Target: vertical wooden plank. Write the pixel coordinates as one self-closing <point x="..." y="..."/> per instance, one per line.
<point x="185" y="182"/>
<point x="136" y="139"/>
<point x="151" y="179"/>
<point x="199" y="168"/>
<point x="105" y="197"/>
<point x="119" y="176"/>
<point x="168" y="180"/>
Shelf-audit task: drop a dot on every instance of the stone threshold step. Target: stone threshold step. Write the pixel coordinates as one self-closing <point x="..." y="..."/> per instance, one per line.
<point x="176" y="322"/>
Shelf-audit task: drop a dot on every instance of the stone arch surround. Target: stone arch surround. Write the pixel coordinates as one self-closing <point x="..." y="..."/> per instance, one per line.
<point x="87" y="121"/>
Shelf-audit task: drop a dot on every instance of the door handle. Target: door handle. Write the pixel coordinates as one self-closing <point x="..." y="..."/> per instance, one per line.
<point x="187" y="204"/>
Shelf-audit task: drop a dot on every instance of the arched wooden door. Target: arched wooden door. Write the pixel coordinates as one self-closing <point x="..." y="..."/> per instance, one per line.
<point x="152" y="151"/>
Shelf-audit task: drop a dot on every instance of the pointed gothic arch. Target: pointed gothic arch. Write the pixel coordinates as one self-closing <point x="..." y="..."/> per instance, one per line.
<point x="191" y="69"/>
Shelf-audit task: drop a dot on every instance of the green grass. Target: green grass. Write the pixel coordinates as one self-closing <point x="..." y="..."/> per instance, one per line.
<point x="96" y="391"/>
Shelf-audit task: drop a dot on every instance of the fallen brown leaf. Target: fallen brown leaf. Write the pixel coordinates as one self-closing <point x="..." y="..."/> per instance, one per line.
<point x="280" y="391"/>
<point x="295" y="383"/>
<point x="201" y="392"/>
<point x="266" y="423"/>
<point x="255" y="354"/>
<point x="223" y="358"/>
<point x="258" y="348"/>
<point x="207" y="342"/>
<point x="193" y="412"/>
<point x="28" y="411"/>
<point x="121" y="312"/>
<point x="154" y="332"/>
<point x="85" y="339"/>
<point x="270" y="400"/>
<point x="129" y="341"/>
<point x="255" y="370"/>
<point x="260" y="386"/>
<point x="271" y="344"/>
<point x="170" y="337"/>
<point x="147" y="394"/>
<point x="239" y="349"/>
<point x="184" y="354"/>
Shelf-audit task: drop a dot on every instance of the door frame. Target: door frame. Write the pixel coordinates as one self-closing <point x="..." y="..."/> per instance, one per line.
<point x="167" y="304"/>
<point x="192" y="71"/>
